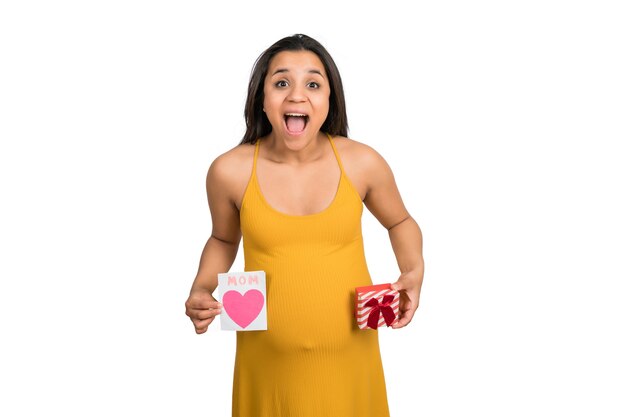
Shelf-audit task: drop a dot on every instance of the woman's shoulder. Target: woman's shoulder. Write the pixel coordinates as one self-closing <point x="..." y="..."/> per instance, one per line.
<point x="234" y="157"/>
<point x="231" y="169"/>
<point x="356" y="153"/>
<point x="362" y="163"/>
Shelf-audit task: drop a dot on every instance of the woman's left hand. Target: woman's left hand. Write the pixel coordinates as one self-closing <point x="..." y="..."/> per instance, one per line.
<point x="408" y="286"/>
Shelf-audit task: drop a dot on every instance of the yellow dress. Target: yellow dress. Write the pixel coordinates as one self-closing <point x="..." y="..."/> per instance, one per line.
<point x="313" y="360"/>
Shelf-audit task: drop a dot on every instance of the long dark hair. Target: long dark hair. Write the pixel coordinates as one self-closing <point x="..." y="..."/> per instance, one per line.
<point x="257" y="124"/>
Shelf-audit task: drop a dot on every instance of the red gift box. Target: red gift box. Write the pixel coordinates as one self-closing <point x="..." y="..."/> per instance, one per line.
<point x="376" y="305"/>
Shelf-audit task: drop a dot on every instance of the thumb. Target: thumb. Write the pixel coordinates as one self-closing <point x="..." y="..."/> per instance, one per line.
<point x="397" y="286"/>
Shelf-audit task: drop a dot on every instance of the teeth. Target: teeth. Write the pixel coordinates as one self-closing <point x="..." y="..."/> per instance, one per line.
<point x="295" y="114"/>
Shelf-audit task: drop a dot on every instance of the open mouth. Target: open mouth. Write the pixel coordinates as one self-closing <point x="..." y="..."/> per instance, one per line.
<point x="296" y="122"/>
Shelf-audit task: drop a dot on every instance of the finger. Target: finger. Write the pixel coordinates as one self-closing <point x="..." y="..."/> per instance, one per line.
<point x="202" y="303"/>
<point x="200" y="330"/>
<point x="202" y="325"/>
<point x="205" y="314"/>
<point x="192" y="312"/>
<point x="405" y="307"/>
<point x="401" y="284"/>
<point x="404" y="319"/>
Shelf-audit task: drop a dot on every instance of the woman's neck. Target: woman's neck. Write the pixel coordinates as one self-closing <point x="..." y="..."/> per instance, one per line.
<point x="294" y="151"/>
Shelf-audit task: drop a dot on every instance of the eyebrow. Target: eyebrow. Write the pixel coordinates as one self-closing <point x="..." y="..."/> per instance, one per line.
<point x="311" y="71"/>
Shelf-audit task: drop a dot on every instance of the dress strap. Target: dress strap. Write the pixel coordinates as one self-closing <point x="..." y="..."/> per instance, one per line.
<point x="336" y="153"/>
<point x="256" y="154"/>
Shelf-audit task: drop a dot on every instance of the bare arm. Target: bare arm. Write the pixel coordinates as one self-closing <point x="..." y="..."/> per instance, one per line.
<point x="406" y="241"/>
<point x="217" y="256"/>
<point x="221" y="248"/>
<point x="384" y="202"/>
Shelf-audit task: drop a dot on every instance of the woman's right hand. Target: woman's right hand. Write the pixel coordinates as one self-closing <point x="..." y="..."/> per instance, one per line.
<point x="202" y="308"/>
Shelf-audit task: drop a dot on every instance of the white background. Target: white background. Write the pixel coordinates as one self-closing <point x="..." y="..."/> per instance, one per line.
<point x="500" y="119"/>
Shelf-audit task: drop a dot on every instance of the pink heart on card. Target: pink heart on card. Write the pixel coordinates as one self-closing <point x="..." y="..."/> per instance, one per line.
<point x="243" y="309"/>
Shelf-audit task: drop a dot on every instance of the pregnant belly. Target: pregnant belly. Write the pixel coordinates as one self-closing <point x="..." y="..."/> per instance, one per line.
<point x="306" y="327"/>
<point x="318" y="321"/>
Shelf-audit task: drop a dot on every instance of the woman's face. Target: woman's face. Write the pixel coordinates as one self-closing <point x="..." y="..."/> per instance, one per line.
<point x="297" y="94"/>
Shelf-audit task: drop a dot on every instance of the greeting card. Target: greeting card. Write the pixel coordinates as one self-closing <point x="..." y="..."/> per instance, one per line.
<point x="244" y="303"/>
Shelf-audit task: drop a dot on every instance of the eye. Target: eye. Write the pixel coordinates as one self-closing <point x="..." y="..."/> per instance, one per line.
<point x="281" y="83"/>
<point x="313" y="84"/>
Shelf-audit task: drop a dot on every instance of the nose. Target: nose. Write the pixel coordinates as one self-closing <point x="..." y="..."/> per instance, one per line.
<point x="297" y="94"/>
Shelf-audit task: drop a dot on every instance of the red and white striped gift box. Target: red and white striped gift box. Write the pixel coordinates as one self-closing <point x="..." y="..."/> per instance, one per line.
<point x="379" y="293"/>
